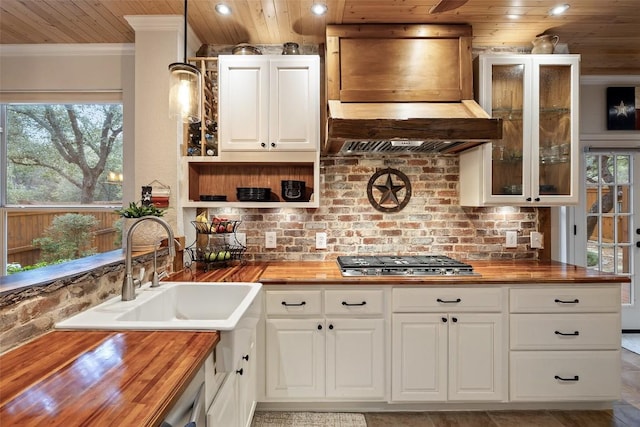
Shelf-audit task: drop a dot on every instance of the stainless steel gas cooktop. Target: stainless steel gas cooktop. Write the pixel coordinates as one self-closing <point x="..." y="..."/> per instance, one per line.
<point x="415" y="265"/>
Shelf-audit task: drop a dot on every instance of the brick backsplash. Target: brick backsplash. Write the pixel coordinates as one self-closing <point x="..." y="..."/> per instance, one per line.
<point x="433" y="221"/>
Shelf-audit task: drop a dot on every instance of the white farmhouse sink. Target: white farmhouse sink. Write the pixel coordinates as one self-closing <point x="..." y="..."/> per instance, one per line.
<point x="172" y="306"/>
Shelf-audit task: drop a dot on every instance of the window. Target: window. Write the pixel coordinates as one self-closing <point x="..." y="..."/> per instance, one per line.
<point x="61" y="180"/>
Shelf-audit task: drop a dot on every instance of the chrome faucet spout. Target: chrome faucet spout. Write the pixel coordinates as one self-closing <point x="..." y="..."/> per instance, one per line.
<point x="128" y="285"/>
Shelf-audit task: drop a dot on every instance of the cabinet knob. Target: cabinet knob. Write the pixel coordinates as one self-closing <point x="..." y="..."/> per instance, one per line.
<point x="444" y="320"/>
<point x="454" y="319"/>
<point x="246" y="357"/>
<point x="537" y="199"/>
<point x="319" y="327"/>
<point x="330" y="326"/>
<point x="637" y="230"/>
<point x="262" y="144"/>
<point x="637" y="244"/>
<point x="528" y="199"/>
<point x="240" y="371"/>
<point x="273" y="144"/>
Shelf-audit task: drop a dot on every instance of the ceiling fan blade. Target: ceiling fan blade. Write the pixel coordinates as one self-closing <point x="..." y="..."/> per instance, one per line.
<point x="446" y="5"/>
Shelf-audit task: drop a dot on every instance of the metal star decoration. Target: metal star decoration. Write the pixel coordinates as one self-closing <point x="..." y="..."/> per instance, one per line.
<point x="389" y="191"/>
<point x="621" y="110"/>
<point x="388" y="199"/>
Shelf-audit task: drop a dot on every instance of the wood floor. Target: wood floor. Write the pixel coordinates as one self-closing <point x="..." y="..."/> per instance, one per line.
<point x="625" y="413"/>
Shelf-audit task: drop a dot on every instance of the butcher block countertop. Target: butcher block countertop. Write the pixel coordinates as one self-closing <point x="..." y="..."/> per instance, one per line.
<point x="328" y="273"/>
<point x="99" y="378"/>
<point x="132" y="378"/>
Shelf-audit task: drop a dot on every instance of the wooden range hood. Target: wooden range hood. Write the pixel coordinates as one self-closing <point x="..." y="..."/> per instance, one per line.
<point x="398" y="88"/>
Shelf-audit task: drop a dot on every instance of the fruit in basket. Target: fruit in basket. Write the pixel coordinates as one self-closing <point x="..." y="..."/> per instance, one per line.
<point x="210" y="256"/>
<point x="230" y="227"/>
<point x="223" y="255"/>
<point x="221" y="228"/>
<point x="202" y="223"/>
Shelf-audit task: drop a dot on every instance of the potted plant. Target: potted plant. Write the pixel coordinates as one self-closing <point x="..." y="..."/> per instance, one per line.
<point x="147" y="236"/>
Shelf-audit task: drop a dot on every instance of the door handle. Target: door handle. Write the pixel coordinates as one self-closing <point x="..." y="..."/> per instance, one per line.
<point x="568" y="334"/>
<point x="353" y="304"/>
<point x="559" y="378"/>
<point x="452" y="301"/>
<point x="292" y="304"/>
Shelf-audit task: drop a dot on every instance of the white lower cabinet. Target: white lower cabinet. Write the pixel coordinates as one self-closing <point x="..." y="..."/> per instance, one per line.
<point x="236" y="399"/>
<point x="341" y="356"/>
<point x="421" y="346"/>
<point x="224" y="410"/>
<point x="440" y="357"/>
<point x="565" y="375"/>
<point x="295" y="358"/>
<point x="355" y="358"/>
<point x="565" y="343"/>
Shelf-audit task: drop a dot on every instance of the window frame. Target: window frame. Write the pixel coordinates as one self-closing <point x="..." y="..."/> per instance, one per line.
<point x="44" y="97"/>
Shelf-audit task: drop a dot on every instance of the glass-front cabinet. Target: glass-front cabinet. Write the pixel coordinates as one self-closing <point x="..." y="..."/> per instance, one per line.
<point x="535" y="162"/>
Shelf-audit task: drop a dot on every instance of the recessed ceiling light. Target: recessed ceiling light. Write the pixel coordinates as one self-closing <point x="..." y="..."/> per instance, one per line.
<point x="319" y="9"/>
<point x="223" y="9"/>
<point x="559" y="9"/>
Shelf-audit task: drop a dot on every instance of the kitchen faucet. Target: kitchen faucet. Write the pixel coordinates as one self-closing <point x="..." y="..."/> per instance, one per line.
<point x="128" y="286"/>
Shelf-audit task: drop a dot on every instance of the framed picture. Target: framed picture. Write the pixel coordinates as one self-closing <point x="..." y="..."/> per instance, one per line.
<point x="623" y="106"/>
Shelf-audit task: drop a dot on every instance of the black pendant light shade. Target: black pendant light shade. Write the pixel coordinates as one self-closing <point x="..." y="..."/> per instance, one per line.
<point x="185" y="86"/>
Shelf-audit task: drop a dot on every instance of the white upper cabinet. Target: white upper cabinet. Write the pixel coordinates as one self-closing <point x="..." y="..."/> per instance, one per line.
<point x="536" y="161"/>
<point x="269" y="103"/>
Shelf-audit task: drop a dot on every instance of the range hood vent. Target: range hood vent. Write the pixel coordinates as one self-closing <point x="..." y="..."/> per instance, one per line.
<point x="402" y="147"/>
<point x="392" y="83"/>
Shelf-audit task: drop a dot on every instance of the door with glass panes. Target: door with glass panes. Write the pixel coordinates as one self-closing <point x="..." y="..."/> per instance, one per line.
<point x="609" y="220"/>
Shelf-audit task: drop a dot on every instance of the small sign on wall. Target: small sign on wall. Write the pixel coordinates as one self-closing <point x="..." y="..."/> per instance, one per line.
<point x="623" y="108"/>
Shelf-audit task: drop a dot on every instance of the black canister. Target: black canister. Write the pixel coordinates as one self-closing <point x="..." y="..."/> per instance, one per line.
<point x="293" y="191"/>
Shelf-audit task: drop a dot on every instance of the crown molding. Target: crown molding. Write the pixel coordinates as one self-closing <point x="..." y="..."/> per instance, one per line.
<point x="63" y="49"/>
<point x="610" y="79"/>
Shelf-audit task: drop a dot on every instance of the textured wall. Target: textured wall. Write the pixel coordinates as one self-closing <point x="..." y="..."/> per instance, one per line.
<point x="432" y="222"/>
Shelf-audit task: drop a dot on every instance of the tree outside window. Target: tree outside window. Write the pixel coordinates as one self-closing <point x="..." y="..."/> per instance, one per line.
<point x="64" y="156"/>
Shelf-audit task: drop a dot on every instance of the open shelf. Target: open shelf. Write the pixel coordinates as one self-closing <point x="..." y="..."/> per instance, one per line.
<point x="218" y="178"/>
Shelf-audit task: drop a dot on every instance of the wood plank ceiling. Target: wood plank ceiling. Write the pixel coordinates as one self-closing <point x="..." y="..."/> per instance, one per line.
<point x="605" y="32"/>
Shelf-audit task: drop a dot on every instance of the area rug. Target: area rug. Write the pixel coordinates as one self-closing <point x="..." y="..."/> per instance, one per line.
<point x="631" y="342"/>
<point x="307" y="419"/>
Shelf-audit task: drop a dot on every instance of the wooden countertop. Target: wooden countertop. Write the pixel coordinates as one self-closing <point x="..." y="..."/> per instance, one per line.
<point x="132" y="378"/>
<point x="328" y="273"/>
<point x="490" y="272"/>
<point x="99" y="378"/>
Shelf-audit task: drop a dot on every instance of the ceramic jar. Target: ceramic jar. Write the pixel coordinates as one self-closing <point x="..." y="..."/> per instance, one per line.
<point x="544" y="44"/>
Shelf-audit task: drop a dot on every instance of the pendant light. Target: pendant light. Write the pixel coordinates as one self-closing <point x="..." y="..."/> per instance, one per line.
<point x="185" y="86"/>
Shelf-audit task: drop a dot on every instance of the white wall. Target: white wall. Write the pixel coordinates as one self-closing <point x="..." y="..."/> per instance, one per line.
<point x="593" y="108"/>
<point x="27" y="69"/>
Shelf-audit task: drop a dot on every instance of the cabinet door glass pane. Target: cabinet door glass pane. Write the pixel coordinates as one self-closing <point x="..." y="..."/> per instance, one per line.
<point x="506" y="103"/>
<point x="555" y="129"/>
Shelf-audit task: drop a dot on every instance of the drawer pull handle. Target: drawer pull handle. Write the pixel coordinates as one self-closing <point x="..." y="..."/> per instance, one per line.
<point x="240" y="371"/>
<point x="559" y="378"/>
<point x="559" y="301"/>
<point x="450" y="301"/>
<point x="354" y="304"/>
<point x="293" y="304"/>
<point x="568" y="334"/>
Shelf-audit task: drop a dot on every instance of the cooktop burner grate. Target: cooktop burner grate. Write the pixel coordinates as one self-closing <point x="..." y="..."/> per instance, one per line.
<point x="393" y="265"/>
